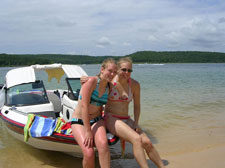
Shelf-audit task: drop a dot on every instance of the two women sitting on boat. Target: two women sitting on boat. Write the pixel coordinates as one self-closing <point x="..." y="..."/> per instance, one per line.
<point x="115" y="89"/>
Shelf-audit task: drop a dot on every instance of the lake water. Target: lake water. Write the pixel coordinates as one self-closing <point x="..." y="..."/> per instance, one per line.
<point x="182" y="110"/>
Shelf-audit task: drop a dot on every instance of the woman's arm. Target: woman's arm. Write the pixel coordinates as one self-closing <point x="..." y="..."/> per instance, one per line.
<point x="114" y="83"/>
<point x="136" y="98"/>
<point x="87" y="89"/>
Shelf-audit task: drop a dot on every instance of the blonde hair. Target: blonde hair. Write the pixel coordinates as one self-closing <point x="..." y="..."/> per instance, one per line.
<point x="124" y="60"/>
<point x="108" y="61"/>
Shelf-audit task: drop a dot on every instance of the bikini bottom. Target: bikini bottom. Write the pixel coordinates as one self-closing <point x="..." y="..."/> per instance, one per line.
<point x="80" y="121"/>
<point x="123" y="118"/>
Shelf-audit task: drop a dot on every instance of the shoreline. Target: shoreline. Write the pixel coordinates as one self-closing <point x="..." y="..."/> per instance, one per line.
<point x="207" y="158"/>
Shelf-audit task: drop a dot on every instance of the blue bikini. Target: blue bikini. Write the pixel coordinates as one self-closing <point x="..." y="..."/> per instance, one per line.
<point x="95" y="100"/>
<point x="79" y="121"/>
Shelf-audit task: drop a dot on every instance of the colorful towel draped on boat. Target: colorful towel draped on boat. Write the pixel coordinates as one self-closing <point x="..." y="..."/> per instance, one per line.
<point x="38" y="126"/>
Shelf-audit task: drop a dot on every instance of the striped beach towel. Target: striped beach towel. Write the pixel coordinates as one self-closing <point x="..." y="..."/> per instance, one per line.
<point x="30" y="119"/>
<point x="38" y="126"/>
<point x="42" y="127"/>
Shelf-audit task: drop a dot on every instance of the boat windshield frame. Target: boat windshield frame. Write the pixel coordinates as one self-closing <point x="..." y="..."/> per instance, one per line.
<point x="74" y="87"/>
<point x="26" y="94"/>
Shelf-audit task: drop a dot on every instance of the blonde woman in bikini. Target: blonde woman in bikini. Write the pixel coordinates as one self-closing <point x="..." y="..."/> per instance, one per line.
<point x="87" y="123"/>
<point x="117" y="120"/>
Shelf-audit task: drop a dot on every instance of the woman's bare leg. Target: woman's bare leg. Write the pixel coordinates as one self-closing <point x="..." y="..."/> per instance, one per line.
<point x="101" y="144"/>
<point x="122" y="130"/>
<point x="151" y="151"/>
<point x="88" y="153"/>
<point x="149" y="147"/>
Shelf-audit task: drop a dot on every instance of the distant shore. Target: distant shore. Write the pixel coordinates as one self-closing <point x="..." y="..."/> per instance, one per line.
<point x="137" y="57"/>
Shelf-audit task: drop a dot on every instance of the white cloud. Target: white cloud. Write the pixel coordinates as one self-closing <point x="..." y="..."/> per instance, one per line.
<point x="102" y="27"/>
<point x="152" y="38"/>
<point x="104" y="41"/>
<point x="221" y="20"/>
<point x="126" y="44"/>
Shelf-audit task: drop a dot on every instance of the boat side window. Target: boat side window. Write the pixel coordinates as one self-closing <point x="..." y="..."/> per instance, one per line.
<point x="27" y="94"/>
<point x="73" y="88"/>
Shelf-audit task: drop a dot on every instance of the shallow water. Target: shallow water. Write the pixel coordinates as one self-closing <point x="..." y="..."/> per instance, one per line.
<point x="182" y="111"/>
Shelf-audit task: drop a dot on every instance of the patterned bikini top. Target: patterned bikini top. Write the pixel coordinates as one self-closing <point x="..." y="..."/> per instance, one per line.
<point x="114" y="95"/>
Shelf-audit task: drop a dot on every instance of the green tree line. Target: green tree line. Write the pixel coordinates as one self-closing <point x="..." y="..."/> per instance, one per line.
<point x="138" y="57"/>
<point x="178" y="57"/>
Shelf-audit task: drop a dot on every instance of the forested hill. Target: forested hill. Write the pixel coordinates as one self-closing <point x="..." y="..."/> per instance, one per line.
<point x="138" y="57"/>
<point x="178" y="57"/>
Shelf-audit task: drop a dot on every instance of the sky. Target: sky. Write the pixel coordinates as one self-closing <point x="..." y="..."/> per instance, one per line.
<point x="111" y="27"/>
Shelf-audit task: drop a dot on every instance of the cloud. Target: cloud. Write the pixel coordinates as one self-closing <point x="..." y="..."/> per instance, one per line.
<point x="126" y="44"/>
<point x="102" y="27"/>
<point x="152" y="38"/>
<point x="104" y="41"/>
<point x="221" y="20"/>
<point x="204" y="33"/>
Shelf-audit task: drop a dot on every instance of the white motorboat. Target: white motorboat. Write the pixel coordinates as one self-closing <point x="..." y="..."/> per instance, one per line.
<point x="24" y="94"/>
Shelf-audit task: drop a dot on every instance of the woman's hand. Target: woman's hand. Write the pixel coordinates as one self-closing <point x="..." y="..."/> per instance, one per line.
<point x="83" y="79"/>
<point x="136" y="128"/>
<point x="88" y="140"/>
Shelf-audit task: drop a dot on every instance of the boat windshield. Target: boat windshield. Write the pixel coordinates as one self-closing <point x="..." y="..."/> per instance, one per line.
<point x="73" y="88"/>
<point x="27" y="94"/>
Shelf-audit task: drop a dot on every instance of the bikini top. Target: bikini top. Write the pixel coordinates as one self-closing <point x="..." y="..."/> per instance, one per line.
<point x="95" y="99"/>
<point x="114" y="95"/>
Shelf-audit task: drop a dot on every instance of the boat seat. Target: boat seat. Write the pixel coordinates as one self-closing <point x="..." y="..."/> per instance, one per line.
<point x="55" y="101"/>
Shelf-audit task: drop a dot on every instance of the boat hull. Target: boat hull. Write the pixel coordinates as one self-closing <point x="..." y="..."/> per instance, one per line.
<point x="56" y="142"/>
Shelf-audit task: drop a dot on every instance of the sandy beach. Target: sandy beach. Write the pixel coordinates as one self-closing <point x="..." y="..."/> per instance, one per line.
<point x="212" y="157"/>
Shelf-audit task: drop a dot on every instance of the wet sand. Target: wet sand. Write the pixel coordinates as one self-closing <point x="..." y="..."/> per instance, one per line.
<point x="207" y="158"/>
<point x="18" y="154"/>
<point x="178" y="149"/>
